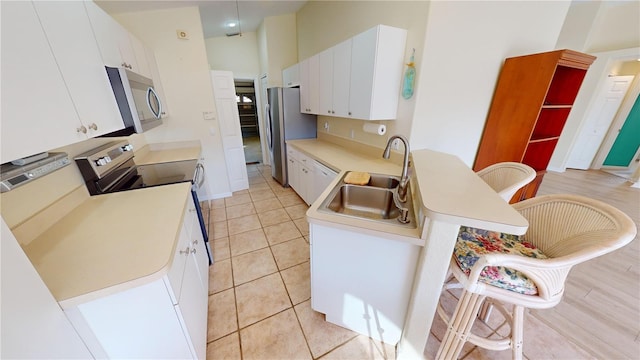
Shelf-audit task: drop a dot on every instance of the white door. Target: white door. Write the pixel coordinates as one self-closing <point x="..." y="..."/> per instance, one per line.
<point x="225" y="95"/>
<point x="598" y="121"/>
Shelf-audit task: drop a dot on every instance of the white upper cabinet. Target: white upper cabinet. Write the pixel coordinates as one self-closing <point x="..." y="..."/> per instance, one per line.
<point x="291" y="76"/>
<point x="309" y="85"/>
<point x="376" y="73"/>
<point x="113" y="39"/>
<point x="341" y="76"/>
<point x="359" y="78"/>
<point x="325" y="84"/>
<point x="68" y="30"/>
<point x="335" y="67"/>
<point x="37" y="111"/>
<point x="142" y="61"/>
<point x="118" y="47"/>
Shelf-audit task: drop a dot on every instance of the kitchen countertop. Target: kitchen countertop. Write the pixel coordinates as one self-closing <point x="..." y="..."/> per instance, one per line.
<point x="99" y="248"/>
<point x="445" y="185"/>
<point x="167" y="152"/>
<point x="340" y="158"/>
<point x="452" y="192"/>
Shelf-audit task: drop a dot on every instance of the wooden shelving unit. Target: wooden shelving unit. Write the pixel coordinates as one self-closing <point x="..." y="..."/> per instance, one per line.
<point x="531" y="104"/>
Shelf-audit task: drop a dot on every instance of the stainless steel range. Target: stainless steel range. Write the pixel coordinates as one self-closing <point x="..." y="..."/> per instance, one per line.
<point x="111" y="168"/>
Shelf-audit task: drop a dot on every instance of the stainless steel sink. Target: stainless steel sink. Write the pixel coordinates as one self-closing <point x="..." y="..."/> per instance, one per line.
<point x="373" y="202"/>
<point x="384" y="181"/>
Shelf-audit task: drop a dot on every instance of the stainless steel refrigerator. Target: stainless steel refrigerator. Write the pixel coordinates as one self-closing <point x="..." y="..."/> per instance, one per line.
<point x="285" y="122"/>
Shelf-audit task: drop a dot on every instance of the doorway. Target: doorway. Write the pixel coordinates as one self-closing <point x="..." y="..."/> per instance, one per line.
<point x="248" y="114"/>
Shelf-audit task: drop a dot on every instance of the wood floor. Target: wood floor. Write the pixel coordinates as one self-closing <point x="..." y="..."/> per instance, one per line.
<point x="600" y="311"/>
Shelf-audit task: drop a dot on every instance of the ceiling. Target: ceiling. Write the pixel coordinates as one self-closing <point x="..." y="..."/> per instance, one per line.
<point x="215" y="14"/>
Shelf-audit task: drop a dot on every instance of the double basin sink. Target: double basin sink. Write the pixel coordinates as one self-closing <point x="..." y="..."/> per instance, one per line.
<point x="373" y="201"/>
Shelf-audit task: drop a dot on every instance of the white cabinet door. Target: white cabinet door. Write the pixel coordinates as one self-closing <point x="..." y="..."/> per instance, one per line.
<point x="176" y="272"/>
<point x="309" y="83"/>
<point x="37" y="112"/>
<point x="113" y="38"/>
<point x="140" y="53"/>
<point x="334" y="75"/>
<point x="68" y="30"/>
<point x="348" y="287"/>
<point x="376" y="73"/>
<point x="194" y="292"/>
<point x="291" y="76"/>
<point x="199" y="254"/>
<point x="341" y="78"/>
<point x="306" y="184"/>
<point x="293" y="173"/>
<point x="192" y="308"/>
<point x="325" y="83"/>
<point x="303" y="68"/>
<point x="139" y="323"/>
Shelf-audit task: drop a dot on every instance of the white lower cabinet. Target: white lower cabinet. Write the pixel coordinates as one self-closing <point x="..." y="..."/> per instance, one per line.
<point x="307" y="177"/>
<point x="362" y="282"/>
<point x="301" y="174"/>
<point x="165" y="318"/>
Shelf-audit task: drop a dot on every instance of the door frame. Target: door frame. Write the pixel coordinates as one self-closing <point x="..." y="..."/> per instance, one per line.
<point x="594" y="80"/>
<point x="262" y="93"/>
<point x="616" y="125"/>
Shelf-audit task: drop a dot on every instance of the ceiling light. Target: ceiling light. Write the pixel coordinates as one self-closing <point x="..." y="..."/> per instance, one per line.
<point x="231" y="24"/>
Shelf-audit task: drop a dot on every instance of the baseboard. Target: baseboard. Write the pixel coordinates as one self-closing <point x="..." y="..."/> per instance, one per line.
<point x="220" y="196"/>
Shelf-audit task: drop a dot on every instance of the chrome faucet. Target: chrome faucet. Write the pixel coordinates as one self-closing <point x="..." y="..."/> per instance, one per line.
<point x="404" y="179"/>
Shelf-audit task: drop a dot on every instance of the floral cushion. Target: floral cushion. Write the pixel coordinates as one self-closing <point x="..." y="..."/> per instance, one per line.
<point x="472" y="243"/>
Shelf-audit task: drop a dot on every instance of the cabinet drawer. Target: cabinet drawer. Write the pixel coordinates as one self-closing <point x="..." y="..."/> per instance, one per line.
<point x="305" y="160"/>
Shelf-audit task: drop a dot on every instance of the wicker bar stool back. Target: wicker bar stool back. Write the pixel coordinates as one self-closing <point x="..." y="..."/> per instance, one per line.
<point x="507" y="177"/>
<point x="527" y="271"/>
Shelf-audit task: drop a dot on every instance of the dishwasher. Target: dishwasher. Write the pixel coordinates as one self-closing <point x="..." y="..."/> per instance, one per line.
<point x="323" y="177"/>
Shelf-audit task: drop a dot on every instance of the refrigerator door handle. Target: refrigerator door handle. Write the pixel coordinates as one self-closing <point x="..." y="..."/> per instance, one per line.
<point x="269" y="126"/>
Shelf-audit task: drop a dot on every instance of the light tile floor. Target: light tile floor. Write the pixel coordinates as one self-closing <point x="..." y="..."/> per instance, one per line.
<point x="260" y="297"/>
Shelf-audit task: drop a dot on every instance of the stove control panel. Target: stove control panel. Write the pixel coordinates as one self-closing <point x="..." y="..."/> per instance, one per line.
<point x="13" y="176"/>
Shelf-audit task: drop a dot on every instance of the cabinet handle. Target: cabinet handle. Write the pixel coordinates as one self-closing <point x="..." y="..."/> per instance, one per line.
<point x="349" y="112"/>
<point x="192" y="210"/>
<point x="82" y="129"/>
<point x="93" y="126"/>
<point x="328" y="111"/>
<point x="193" y="251"/>
<point x="194" y="242"/>
<point x="185" y="251"/>
<point x="333" y="112"/>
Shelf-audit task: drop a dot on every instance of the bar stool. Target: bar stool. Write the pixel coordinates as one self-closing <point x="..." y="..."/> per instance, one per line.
<point x="527" y="271"/>
<point x="507" y="177"/>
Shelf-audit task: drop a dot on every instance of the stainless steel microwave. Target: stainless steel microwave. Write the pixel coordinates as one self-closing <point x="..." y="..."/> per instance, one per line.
<point x="137" y="100"/>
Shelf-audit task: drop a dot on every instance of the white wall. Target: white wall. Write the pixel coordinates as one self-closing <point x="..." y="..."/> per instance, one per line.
<point x="617" y="27"/>
<point x="32" y="325"/>
<point x="238" y="54"/>
<point x="281" y="46"/>
<point x="322" y="24"/>
<point x="184" y="73"/>
<point x="612" y="35"/>
<point x="465" y="46"/>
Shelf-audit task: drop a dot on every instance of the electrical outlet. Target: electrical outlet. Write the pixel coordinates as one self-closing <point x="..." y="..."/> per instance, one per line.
<point x="353" y="134"/>
<point x="326" y="126"/>
<point x="395" y="145"/>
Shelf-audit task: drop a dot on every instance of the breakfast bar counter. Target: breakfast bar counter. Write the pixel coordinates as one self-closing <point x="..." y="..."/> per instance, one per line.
<point x="446" y="194"/>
